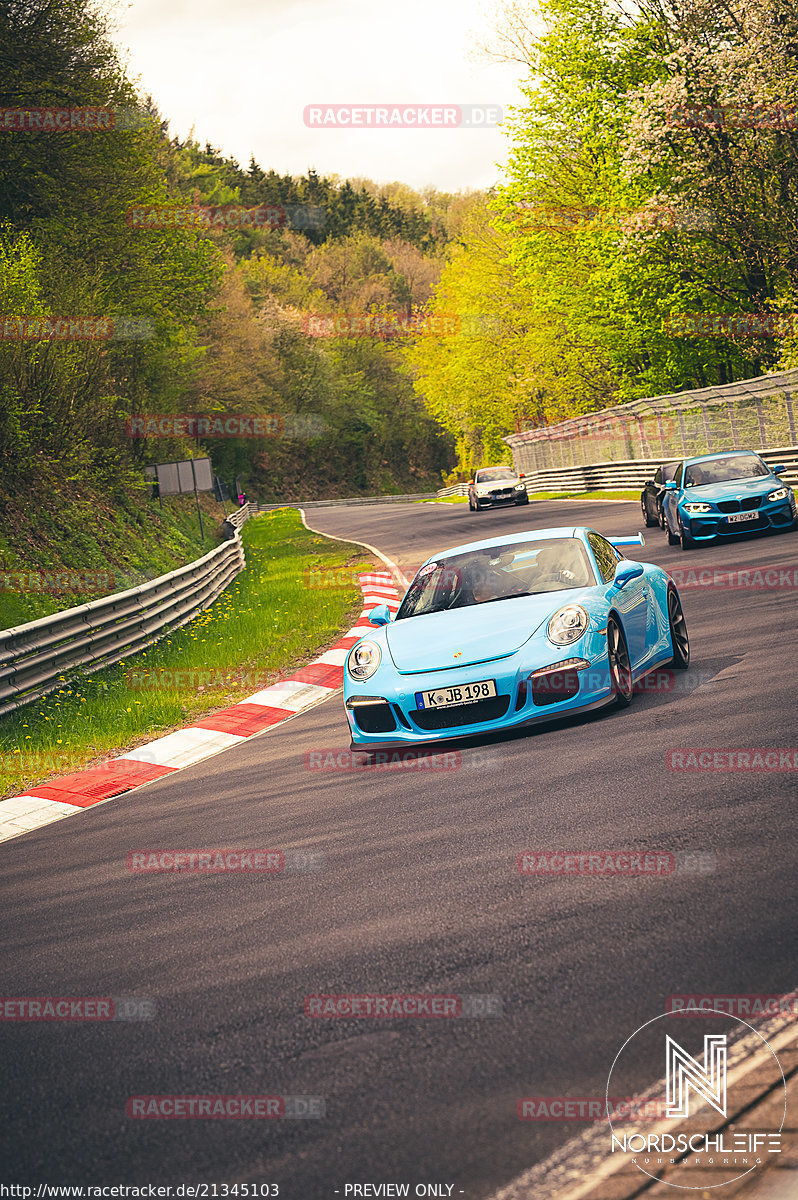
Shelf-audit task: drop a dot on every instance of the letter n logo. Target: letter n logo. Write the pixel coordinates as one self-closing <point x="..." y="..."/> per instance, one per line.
<point x="684" y="1072"/>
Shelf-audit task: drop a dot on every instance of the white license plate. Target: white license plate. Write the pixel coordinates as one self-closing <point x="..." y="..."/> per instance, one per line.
<point x="464" y="693"/>
<point x="736" y="517"/>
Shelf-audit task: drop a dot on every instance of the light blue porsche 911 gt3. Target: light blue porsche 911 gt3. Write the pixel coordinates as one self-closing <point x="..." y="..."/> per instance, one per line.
<point x="506" y="632"/>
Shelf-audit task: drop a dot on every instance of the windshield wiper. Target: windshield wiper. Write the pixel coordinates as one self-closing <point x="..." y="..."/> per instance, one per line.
<point x="510" y="596"/>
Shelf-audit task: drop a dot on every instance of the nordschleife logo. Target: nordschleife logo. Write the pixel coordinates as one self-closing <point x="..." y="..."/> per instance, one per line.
<point x="684" y="1072"/>
<point x="703" y="1141"/>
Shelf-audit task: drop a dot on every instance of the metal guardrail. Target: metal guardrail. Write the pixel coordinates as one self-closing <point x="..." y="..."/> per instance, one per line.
<point x="34" y="657"/>
<point x="630" y="474"/>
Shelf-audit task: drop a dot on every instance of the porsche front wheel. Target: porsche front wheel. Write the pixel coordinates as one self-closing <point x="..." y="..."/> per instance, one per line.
<point x="620" y="666"/>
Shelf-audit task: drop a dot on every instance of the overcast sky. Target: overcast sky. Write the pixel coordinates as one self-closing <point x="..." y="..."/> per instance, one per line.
<point x="242" y="71"/>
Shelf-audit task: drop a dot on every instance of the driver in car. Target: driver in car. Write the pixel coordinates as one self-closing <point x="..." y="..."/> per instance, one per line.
<point x="486" y="583"/>
<point x="561" y="566"/>
<point x="483" y="581"/>
<point x="548" y="565"/>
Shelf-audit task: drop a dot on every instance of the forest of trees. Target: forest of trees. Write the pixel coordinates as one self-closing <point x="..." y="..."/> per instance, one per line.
<point x="652" y="172"/>
<point x="618" y="211"/>
<point x="221" y="313"/>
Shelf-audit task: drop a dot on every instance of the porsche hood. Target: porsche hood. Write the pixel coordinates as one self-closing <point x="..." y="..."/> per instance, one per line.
<point x="461" y="637"/>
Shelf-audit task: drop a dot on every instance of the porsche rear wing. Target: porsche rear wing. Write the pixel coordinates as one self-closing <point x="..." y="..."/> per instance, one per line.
<point x="620" y="542"/>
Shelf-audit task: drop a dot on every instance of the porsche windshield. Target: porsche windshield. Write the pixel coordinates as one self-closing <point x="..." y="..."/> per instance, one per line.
<point x="498" y="573"/>
<point x="725" y="470"/>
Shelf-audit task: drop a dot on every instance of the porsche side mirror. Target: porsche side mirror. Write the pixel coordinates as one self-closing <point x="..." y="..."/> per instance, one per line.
<point x="670" y="485"/>
<point x="778" y="470"/>
<point x="381" y="615"/>
<point x="626" y="573"/>
<point x="471" y="483"/>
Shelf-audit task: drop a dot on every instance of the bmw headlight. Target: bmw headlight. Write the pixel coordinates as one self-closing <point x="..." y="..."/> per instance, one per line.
<point x="363" y="660"/>
<point x="520" y="487"/>
<point x="779" y="494"/>
<point x="567" y="625"/>
<point x="694" y="508"/>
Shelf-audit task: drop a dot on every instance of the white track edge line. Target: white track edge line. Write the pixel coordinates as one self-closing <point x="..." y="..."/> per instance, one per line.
<point x="395" y="570"/>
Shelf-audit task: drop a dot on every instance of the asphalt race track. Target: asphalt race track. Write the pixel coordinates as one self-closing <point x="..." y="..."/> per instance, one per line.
<point x="417" y="893"/>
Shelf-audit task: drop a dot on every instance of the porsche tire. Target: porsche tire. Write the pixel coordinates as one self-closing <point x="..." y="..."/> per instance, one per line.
<point x="620" y="666"/>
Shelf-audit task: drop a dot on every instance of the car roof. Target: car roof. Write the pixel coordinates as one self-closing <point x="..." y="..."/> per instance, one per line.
<point x="510" y="539"/>
<point x="718" y="454"/>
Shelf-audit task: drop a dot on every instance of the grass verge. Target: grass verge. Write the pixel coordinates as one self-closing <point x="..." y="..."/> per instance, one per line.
<point x="297" y="594"/>
<point x="444" y="500"/>
<point x="55" y="553"/>
<point x="608" y="495"/>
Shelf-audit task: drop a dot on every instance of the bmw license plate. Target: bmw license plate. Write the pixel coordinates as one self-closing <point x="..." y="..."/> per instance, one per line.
<point x="747" y="516"/>
<point x="465" y="693"/>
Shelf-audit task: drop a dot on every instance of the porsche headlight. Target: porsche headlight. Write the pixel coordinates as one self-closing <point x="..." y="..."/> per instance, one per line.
<point x="694" y="508"/>
<point x="779" y="494"/>
<point x="363" y="660"/>
<point x="567" y="625"/>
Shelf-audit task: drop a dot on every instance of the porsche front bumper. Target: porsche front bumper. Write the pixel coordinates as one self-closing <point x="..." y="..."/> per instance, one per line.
<point x="388" y="715"/>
